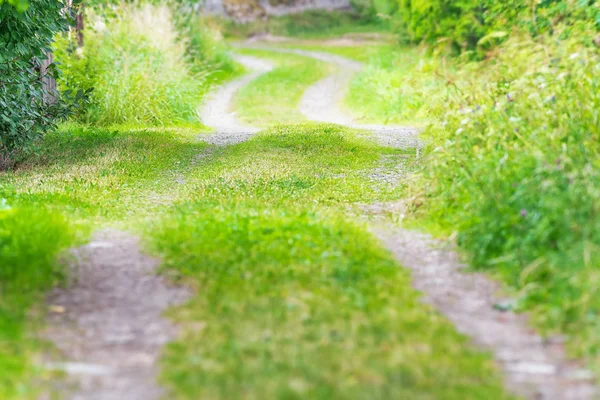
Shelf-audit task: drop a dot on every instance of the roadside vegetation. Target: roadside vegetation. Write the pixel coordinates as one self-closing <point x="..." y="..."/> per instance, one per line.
<point x="312" y="24"/>
<point x="142" y="69"/>
<point x="512" y="164"/>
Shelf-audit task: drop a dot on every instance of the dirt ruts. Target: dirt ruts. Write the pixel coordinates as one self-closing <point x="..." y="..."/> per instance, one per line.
<point x="216" y="112"/>
<point x="534" y="368"/>
<point x="108" y="323"/>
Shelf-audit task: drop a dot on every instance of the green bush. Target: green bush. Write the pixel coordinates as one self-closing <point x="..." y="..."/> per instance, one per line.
<point x="137" y="63"/>
<point x="26" y="111"/>
<point x="469" y="23"/>
<point x="514" y="169"/>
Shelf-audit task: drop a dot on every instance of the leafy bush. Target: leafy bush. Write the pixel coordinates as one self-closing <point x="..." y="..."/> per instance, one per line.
<point x="26" y="109"/>
<point x="135" y="60"/>
<point x="514" y="169"/>
<point x="464" y="24"/>
<point x="206" y="50"/>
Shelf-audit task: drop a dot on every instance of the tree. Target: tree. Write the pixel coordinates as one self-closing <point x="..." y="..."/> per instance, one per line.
<point x="26" y="34"/>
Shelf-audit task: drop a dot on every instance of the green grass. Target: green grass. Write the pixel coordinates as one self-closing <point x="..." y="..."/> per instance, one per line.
<point x="527" y="121"/>
<point x="294" y="297"/>
<point x="29" y="268"/>
<point x="152" y="67"/>
<point x="360" y="51"/>
<point x="82" y="179"/>
<point x="273" y="98"/>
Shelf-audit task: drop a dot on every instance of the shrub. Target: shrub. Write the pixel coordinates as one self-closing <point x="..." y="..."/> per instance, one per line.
<point x="465" y="23"/>
<point x="26" y="108"/>
<point x="514" y="170"/>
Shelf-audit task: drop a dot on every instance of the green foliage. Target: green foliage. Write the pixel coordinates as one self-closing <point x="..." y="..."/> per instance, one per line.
<point x="514" y="170"/>
<point x="28" y="267"/>
<point x="141" y="68"/>
<point x="464" y="23"/>
<point x="26" y="34"/>
<point x="309" y="24"/>
<point x="206" y="51"/>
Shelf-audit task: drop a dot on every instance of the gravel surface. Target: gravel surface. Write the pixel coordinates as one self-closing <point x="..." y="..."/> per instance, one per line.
<point x="533" y="367"/>
<point x="216" y="112"/>
<point x="108" y="323"/>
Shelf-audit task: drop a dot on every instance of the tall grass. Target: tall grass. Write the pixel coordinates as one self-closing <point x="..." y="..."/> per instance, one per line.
<point x="514" y="168"/>
<point x="141" y="67"/>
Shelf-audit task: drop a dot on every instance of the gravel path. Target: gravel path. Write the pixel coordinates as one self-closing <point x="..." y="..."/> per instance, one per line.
<point x="216" y="112"/>
<point x="321" y="101"/>
<point x="534" y="368"/>
<point x="108" y="323"/>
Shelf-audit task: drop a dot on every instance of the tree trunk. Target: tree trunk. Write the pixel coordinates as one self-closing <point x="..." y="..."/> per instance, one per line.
<point x="50" y="93"/>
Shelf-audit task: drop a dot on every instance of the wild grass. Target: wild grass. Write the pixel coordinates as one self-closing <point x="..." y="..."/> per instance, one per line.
<point x="513" y="169"/>
<point x="295" y="299"/>
<point x="28" y="267"/>
<point x="142" y="68"/>
<point x="273" y="98"/>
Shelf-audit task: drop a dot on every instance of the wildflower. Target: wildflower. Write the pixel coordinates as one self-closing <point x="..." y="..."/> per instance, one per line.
<point x="523" y="213"/>
<point x="465" y="121"/>
<point x="550" y="99"/>
<point x="573" y="56"/>
<point x="459" y="131"/>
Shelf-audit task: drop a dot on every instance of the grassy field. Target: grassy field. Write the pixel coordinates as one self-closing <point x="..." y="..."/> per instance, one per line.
<point x="294" y="297"/>
<point x="82" y="179"/>
<point x="273" y="98"/>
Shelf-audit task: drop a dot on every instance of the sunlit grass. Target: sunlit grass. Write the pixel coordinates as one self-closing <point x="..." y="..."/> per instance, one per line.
<point x="294" y="297"/>
<point x="273" y="98"/>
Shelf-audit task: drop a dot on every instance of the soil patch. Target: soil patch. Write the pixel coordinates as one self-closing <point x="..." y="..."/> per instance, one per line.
<point x="108" y="323"/>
